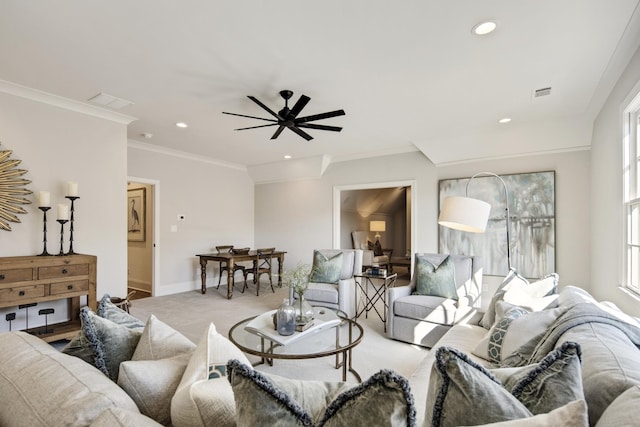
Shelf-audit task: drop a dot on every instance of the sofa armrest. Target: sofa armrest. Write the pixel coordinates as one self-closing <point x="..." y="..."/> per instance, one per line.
<point x="398" y="292"/>
<point x="347" y="296"/>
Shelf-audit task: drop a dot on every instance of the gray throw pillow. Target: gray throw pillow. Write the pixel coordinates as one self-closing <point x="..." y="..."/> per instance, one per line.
<point x="326" y="270"/>
<point x="436" y="280"/>
<point x="383" y="399"/>
<point x="109" y="310"/>
<point x="462" y="392"/>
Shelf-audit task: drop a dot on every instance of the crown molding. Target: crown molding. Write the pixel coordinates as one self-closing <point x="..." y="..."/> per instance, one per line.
<point x="65" y="103"/>
<point x="183" y="154"/>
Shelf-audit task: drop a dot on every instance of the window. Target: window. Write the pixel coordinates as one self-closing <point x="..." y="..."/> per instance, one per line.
<point x="631" y="174"/>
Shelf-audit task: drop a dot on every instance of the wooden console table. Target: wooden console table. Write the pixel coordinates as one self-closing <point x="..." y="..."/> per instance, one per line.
<point x="231" y="259"/>
<point x="35" y="279"/>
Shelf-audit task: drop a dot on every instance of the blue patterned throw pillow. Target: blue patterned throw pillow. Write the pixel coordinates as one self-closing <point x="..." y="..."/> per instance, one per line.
<point x="436" y="280"/>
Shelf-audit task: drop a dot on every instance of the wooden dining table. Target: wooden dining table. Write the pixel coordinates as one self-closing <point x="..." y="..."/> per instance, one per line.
<point x="231" y="259"/>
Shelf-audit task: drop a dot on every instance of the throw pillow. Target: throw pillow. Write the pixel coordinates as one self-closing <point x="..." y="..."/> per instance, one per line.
<point x="622" y="411"/>
<point x="436" y="280"/>
<point x="160" y="341"/>
<point x="375" y="247"/>
<point x="514" y="327"/>
<point x="109" y="310"/>
<point x="462" y="392"/>
<point x="573" y="414"/>
<point x="103" y="343"/>
<point x="383" y="399"/>
<point x="118" y="417"/>
<point x="517" y="290"/>
<point x="326" y="270"/>
<point x="204" y="396"/>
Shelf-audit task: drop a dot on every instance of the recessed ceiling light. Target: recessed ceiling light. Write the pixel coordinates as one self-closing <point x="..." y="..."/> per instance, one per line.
<point x="287" y="156"/>
<point x="484" y="28"/>
<point x="182" y="124"/>
<point x="504" y="120"/>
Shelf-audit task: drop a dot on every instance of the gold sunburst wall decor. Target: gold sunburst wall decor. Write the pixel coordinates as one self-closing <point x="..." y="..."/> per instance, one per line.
<point x="12" y="190"/>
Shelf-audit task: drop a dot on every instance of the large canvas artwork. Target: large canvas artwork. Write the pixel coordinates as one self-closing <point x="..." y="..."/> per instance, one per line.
<point x="532" y="212"/>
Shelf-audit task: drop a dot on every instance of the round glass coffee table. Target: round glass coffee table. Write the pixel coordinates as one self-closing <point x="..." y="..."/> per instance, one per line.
<point x="332" y="333"/>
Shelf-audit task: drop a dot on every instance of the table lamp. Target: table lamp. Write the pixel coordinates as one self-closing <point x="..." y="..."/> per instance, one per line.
<point x="377" y="226"/>
<point x="469" y="214"/>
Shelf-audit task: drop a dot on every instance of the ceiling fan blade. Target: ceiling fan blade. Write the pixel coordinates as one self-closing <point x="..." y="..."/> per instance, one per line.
<point x="302" y="102"/>
<point x="260" y="126"/>
<point x="250" y="117"/>
<point x="301" y="133"/>
<point x="320" y="127"/>
<point x="269" y="110"/>
<point x="320" y="116"/>
<point x="278" y="132"/>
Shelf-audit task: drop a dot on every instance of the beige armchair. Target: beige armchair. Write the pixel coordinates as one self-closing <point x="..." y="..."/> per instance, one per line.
<point x="423" y="319"/>
<point x="361" y="241"/>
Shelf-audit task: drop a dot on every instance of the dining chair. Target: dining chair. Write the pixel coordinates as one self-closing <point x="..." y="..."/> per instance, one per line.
<point x="261" y="265"/>
<point x="223" y="266"/>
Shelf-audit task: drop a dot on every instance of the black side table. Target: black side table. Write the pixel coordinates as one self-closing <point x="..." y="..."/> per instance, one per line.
<point x="363" y="283"/>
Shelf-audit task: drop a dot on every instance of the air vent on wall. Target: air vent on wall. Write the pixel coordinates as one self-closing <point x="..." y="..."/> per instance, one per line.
<point x="542" y="92"/>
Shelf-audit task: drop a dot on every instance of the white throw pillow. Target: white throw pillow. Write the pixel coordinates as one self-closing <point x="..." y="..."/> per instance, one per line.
<point x="161" y="341"/>
<point x="514" y="327"/>
<point x="622" y="411"/>
<point x="204" y="396"/>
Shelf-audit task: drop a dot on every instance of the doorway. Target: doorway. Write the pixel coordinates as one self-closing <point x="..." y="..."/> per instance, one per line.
<point x="141" y="236"/>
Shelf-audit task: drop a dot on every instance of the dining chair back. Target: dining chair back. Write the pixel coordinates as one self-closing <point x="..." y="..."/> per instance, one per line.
<point x="223" y="266"/>
<point x="261" y="265"/>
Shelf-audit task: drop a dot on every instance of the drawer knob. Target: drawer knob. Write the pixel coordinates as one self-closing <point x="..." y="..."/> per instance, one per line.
<point x="21" y="293"/>
<point x="64" y="271"/>
<point x="69" y="287"/>
<point x="1" y="276"/>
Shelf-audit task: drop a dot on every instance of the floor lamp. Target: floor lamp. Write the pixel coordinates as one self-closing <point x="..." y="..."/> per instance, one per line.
<point x="469" y="214"/>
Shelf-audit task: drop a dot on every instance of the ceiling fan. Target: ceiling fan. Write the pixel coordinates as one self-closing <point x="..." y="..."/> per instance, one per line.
<point x="288" y="117"/>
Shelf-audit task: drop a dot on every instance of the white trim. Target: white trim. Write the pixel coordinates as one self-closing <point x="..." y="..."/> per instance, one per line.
<point x="66" y="103"/>
<point x="512" y="156"/>
<point x="377" y="153"/>
<point x="183" y="154"/>
<point x="390" y="184"/>
<point x="155" y="245"/>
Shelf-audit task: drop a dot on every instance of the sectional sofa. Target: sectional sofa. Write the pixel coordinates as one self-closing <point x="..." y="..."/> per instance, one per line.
<point x="556" y="359"/>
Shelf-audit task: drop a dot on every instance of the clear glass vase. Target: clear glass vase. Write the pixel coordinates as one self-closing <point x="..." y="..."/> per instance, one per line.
<point x="304" y="311"/>
<point x="286" y="318"/>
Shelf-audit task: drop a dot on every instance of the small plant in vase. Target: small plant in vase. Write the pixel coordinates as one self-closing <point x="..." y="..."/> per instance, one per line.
<point x="298" y="280"/>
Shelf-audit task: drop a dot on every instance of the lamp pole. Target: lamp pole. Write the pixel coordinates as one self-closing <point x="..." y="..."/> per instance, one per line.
<point x="508" y="217"/>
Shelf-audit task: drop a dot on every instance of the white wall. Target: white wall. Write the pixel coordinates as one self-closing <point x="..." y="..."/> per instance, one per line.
<point x="57" y="145"/>
<point x="218" y="205"/>
<point x="297" y="216"/>
<point x="606" y="190"/>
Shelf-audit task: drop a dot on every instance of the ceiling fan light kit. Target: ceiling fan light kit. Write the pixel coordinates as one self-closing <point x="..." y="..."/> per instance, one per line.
<point x="288" y="117"/>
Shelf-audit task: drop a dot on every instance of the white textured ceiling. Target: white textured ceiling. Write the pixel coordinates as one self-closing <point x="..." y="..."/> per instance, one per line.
<point x="410" y="75"/>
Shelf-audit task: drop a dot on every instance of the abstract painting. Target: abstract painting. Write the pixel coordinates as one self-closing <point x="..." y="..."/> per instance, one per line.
<point x="532" y="214"/>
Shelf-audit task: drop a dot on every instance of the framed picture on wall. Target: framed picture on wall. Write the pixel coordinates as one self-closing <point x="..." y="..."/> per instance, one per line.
<point x="533" y="223"/>
<point x="136" y="215"/>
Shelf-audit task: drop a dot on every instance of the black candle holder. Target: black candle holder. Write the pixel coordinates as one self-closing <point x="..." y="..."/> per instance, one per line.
<point x="62" y="223"/>
<point x="44" y="210"/>
<point x="73" y="199"/>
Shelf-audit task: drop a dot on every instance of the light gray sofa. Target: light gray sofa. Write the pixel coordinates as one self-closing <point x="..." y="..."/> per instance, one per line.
<point x="423" y="319"/>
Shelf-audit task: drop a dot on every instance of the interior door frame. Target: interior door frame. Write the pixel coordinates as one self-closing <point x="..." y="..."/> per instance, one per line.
<point x="155" y="265"/>
<point x="338" y="189"/>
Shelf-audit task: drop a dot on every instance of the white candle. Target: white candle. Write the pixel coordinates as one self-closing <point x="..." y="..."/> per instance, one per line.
<point x="63" y="212"/>
<point x="44" y="199"/>
<point x="72" y="189"/>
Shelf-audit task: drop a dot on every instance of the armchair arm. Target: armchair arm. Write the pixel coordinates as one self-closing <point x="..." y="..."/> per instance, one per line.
<point x="347" y="296"/>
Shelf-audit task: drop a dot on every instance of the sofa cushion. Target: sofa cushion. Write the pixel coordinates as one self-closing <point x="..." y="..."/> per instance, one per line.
<point x="118" y="417"/>
<point x="383" y="399"/>
<point x="204" y="396"/>
<point x="623" y="410"/>
<point x="436" y="279"/>
<point x="427" y="308"/>
<point x="326" y="269"/>
<point x="325" y="292"/>
<point x="44" y="387"/>
<point x="462" y="392"/>
<point x="103" y="343"/>
<point x="514" y="327"/>
<point x="573" y="414"/>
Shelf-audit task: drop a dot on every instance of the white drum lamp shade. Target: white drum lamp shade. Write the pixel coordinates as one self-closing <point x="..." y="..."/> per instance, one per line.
<point x="465" y="214"/>
<point x="377" y="226"/>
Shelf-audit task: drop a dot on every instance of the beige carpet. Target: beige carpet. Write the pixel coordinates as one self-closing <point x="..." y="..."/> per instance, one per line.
<point x="191" y="312"/>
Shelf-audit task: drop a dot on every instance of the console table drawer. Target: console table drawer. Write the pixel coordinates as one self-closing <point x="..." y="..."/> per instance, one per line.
<point x="22" y="293"/>
<point x="17" y="275"/>
<point x="67" y="287"/>
<point x="63" y="271"/>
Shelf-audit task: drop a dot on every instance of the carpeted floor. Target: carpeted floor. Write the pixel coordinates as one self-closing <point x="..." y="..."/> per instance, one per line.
<point x="191" y="312"/>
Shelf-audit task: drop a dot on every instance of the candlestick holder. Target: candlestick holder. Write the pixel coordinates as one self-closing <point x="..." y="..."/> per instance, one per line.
<point x="44" y="210"/>
<point x="62" y="223"/>
<point x="73" y="199"/>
